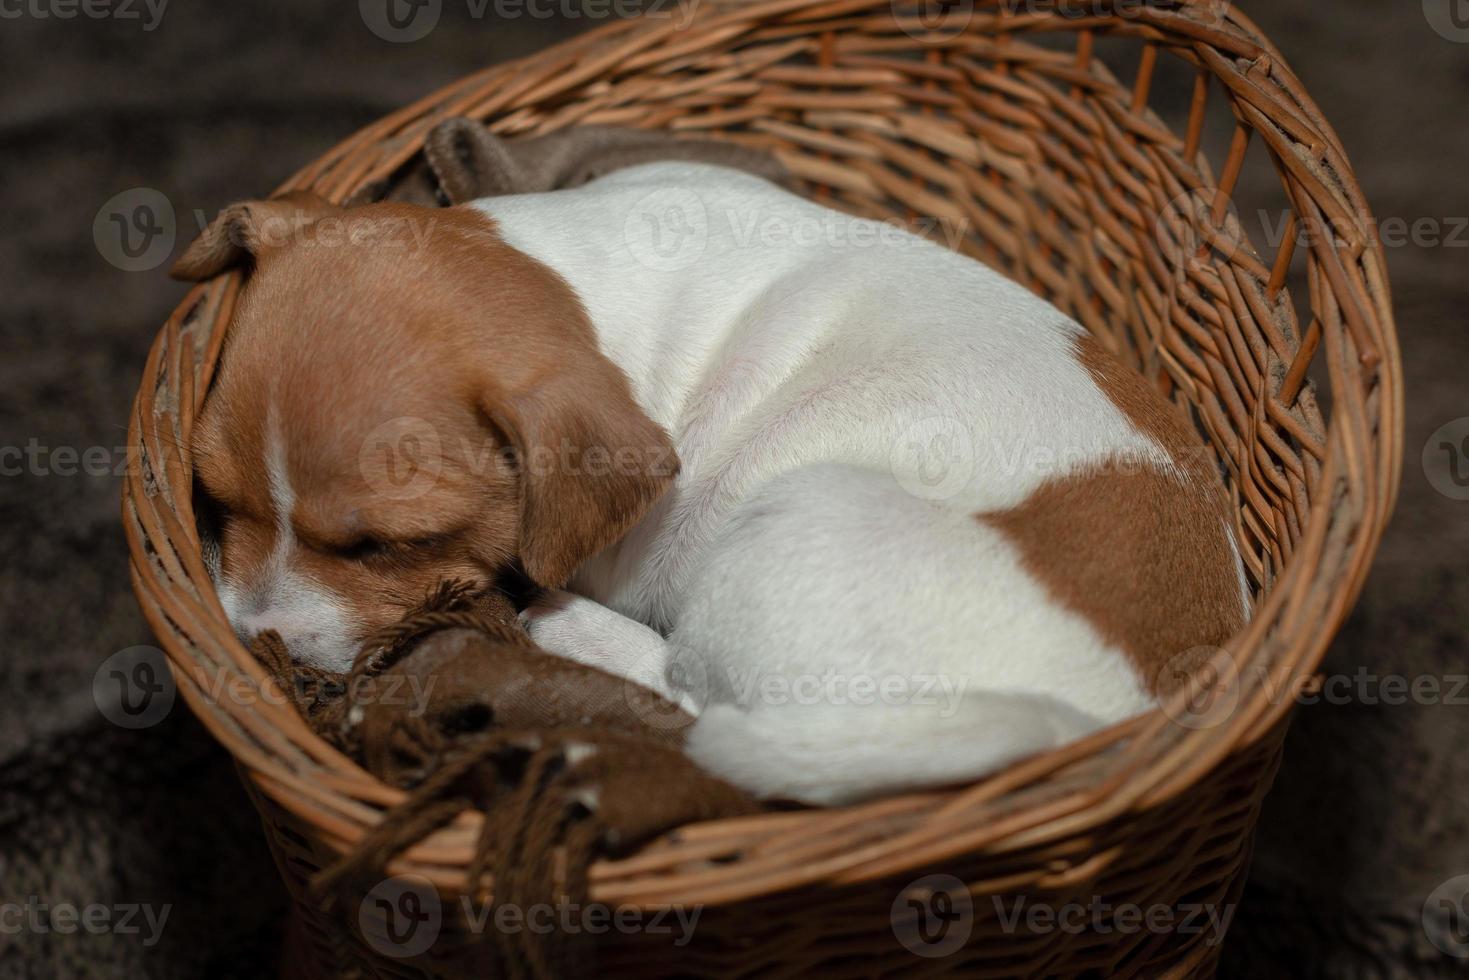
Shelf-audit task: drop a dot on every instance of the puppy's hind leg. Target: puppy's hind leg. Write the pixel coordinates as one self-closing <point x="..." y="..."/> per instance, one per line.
<point x="860" y="641"/>
<point x="834" y="754"/>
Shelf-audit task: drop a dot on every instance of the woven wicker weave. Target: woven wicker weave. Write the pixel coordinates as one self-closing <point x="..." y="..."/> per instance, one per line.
<point x="1027" y="132"/>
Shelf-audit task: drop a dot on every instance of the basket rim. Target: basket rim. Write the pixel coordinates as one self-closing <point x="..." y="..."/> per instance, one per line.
<point x="316" y="784"/>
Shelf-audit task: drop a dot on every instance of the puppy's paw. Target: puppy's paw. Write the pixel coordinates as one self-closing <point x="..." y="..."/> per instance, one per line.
<point x="558" y="622"/>
<point x="584" y="630"/>
<point x="581" y="629"/>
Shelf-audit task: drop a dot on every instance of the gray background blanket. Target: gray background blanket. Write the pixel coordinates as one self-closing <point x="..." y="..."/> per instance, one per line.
<point x="209" y="102"/>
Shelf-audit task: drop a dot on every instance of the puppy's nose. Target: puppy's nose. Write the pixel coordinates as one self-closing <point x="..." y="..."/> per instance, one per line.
<point x="258" y="615"/>
<point x="314" y="628"/>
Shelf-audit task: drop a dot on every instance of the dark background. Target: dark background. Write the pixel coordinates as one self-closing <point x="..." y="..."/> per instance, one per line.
<point x="221" y="101"/>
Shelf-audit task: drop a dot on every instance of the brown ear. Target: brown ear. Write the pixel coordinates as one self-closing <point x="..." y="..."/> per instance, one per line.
<point x="243" y="230"/>
<point x="591" y="464"/>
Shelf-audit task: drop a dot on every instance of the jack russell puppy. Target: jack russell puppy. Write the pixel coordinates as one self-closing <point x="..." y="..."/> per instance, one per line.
<point x="878" y="517"/>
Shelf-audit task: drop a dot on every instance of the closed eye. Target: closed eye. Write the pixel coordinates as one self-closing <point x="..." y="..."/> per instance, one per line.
<point x="370" y="548"/>
<point x="209" y="511"/>
<point x="364" y="549"/>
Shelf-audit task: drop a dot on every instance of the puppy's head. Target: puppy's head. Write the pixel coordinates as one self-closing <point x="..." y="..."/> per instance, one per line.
<point x="402" y="398"/>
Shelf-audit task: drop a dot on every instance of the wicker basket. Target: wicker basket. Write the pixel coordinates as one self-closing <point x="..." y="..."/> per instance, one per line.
<point x="1035" y="135"/>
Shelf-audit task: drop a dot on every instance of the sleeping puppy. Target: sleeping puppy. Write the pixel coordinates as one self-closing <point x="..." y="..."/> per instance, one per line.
<point x="878" y="517"/>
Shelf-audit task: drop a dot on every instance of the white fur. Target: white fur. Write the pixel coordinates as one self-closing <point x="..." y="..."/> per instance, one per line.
<point x="311" y="620"/>
<point x="845" y="398"/>
<point x="794" y="754"/>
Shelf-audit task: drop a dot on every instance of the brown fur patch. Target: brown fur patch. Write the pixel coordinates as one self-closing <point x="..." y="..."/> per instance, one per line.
<point x="390" y="341"/>
<point x="1139" y="552"/>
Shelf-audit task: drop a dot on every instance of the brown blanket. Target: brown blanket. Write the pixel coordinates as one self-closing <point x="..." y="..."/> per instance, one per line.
<point x="567" y="763"/>
<point x="464" y="161"/>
